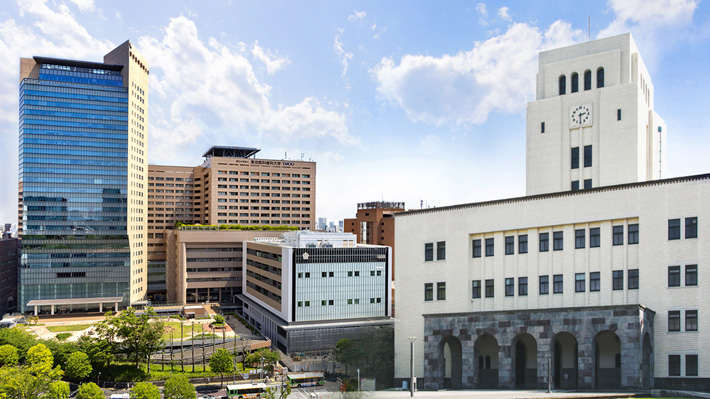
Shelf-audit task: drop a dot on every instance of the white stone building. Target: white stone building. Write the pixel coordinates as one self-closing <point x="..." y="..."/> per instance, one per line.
<point x="596" y="287"/>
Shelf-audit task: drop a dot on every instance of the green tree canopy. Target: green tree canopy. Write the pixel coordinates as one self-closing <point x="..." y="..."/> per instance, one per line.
<point x="270" y="358"/>
<point x="33" y="381"/>
<point x="20" y="339"/>
<point x="178" y="387"/>
<point x="218" y="320"/>
<point x="59" y="390"/>
<point x="89" y="391"/>
<point x="100" y="351"/>
<point x="222" y="362"/>
<point x="145" y="390"/>
<point x="135" y="335"/>
<point x="40" y="358"/>
<point x="346" y="352"/>
<point x="8" y="355"/>
<point x="78" y="366"/>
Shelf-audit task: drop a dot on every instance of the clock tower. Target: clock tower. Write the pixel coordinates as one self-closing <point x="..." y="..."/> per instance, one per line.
<point x="592" y="122"/>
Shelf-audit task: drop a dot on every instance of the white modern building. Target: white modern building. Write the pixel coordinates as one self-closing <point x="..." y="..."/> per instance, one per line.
<point x="309" y="289"/>
<point x="595" y="284"/>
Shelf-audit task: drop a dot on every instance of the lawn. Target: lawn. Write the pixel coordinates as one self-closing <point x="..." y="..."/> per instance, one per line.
<point x="75" y="327"/>
<point x="175" y="326"/>
<point x="128" y="372"/>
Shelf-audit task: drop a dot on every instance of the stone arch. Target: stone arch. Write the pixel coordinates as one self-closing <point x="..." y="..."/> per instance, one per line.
<point x="562" y="85"/>
<point x="600" y="77"/>
<point x="575" y="82"/>
<point x="486" y="348"/>
<point x="647" y="362"/>
<point x="607" y="360"/>
<point x="524" y="357"/>
<point x="565" y="361"/>
<point x="587" y="80"/>
<point x="450" y="348"/>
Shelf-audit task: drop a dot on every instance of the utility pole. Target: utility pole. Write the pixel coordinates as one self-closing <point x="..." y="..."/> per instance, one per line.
<point x="171" y="350"/>
<point x="193" y="346"/>
<point x="411" y="366"/>
<point x="182" y="359"/>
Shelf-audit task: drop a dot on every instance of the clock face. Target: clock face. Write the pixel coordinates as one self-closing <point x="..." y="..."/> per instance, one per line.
<point x="580" y="115"/>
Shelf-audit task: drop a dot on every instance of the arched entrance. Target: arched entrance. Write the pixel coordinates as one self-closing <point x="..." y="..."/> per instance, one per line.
<point x="525" y="361"/>
<point x="565" y="363"/>
<point x="451" y="347"/>
<point x="607" y="361"/>
<point x="647" y="362"/>
<point x="487" y="349"/>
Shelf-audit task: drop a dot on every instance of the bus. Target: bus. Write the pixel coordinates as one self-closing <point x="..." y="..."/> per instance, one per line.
<point x="305" y="380"/>
<point x="240" y="391"/>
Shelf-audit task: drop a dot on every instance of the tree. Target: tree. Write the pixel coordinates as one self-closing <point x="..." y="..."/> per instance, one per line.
<point x="20" y="339"/>
<point x="218" y="320"/>
<point x="59" y="390"/>
<point x="100" y="351"/>
<point x="78" y="366"/>
<point x="40" y="358"/>
<point x="89" y="391"/>
<point x="135" y="335"/>
<point x="145" y="390"/>
<point x="346" y="352"/>
<point x="8" y="356"/>
<point x="270" y="358"/>
<point x="222" y="362"/>
<point x="178" y="387"/>
<point x="278" y="393"/>
<point x="36" y="380"/>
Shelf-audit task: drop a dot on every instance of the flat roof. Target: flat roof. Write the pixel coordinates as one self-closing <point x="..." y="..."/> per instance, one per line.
<point x="77" y="63"/>
<point x="74" y="301"/>
<point x="230" y="151"/>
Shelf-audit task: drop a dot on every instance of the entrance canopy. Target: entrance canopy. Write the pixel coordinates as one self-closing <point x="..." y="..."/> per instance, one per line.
<point x="75" y="301"/>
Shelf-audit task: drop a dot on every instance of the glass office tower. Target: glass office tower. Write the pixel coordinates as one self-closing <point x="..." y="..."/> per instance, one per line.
<point x="73" y="184"/>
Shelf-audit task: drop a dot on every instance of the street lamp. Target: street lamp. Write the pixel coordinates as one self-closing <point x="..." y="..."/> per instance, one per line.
<point x="262" y="367"/>
<point x="411" y="366"/>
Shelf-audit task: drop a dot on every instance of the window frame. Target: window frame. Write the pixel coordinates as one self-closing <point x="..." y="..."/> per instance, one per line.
<point x="632" y="279"/>
<point x="429" y="252"/>
<point x="580" y="282"/>
<point x="509" y="286"/>
<point x="587" y="184"/>
<point x="595" y="281"/>
<point x="558" y="241"/>
<point x="522" y="286"/>
<point x="476" y="289"/>
<point x="691" y="320"/>
<point x="693" y="272"/>
<point x="587" y="156"/>
<point x="617" y="235"/>
<point x="441" y="250"/>
<point x="587" y="80"/>
<point x="600" y="77"/>
<point x="544" y="242"/>
<point x="428" y="292"/>
<point x="490" y="288"/>
<point x="691" y="227"/>
<point x="476" y="248"/>
<point x="595" y="239"/>
<point x="441" y="291"/>
<point x="575" y="83"/>
<point x="691" y="371"/>
<point x="674" y="365"/>
<point x="558" y="284"/>
<point x="510" y="245"/>
<point x="523" y="244"/>
<point x="673" y="276"/>
<point x="673" y="320"/>
<point x="632" y="234"/>
<point x="575" y="185"/>
<point x="490" y="244"/>
<point x="673" y="229"/>
<point x="617" y="280"/>
<point x="580" y="238"/>
<point x="544" y="285"/>
<point x="574" y="158"/>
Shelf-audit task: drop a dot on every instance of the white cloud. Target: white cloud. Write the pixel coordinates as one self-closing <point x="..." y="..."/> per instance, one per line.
<point x="209" y="92"/>
<point x="430" y="144"/>
<point x="343" y="55"/>
<point x="357" y="16"/>
<point x="497" y="75"/>
<point x="503" y="14"/>
<point x="655" y="24"/>
<point x="272" y="62"/>
<point x="84" y="5"/>
<point x="481" y="9"/>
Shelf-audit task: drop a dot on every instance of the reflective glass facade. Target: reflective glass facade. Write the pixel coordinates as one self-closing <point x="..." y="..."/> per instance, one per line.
<point x="73" y="128"/>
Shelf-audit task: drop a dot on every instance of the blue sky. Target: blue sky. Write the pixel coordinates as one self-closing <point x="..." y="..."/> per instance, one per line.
<point x="395" y="100"/>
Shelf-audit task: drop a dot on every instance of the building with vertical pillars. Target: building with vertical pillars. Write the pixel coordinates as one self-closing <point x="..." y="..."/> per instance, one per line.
<point x="83" y="129"/>
<point x="595" y="279"/>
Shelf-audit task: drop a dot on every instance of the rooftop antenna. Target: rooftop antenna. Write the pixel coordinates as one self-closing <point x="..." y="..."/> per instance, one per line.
<point x="421" y="204"/>
<point x="589" y="27"/>
<point x="301" y="156"/>
<point x="285" y="155"/>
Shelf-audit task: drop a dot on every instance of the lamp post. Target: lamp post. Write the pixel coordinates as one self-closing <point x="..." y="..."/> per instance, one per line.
<point x="411" y="366"/>
<point x="262" y="367"/>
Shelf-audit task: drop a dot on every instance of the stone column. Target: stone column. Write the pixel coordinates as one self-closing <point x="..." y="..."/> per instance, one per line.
<point x="506" y="373"/>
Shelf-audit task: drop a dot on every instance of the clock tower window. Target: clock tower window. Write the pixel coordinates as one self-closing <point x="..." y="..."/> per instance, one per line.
<point x="575" y="82"/>
<point x="600" y="77"/>
<point x="587" y="80"/>
<point x="575" y="157"/>
<point x="562" y="85"/>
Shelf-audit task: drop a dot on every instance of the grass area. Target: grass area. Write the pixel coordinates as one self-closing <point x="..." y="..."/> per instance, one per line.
<point x="127" y="371"/>
<point x="175" y="326"/>
<point x="75" y="327"/>
<point x="207" y="336"/>
<point x="63" y="336"/>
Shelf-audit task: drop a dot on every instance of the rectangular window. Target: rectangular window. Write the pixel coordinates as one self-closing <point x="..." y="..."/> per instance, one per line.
<point x="557" y="242"/>
<point x="575" y="185"/>
<point x="575" y="157"/>
<point x="587" y="156"/>
<point x="674" y="320"/>
<point x="579" y="282"/>
<point x="489" y="247"/>
<point x="691" y="365"/>
<point x="440" y="291"/>
<point x="476" y="248"/>
<point x="489" y="289"/>
<point x="633" y="277"/>
<point x="542" y="127"/>
<point x="633" y="234"/>
<point x="691" y="275"/>
<point x="674" y="365"/>
<point x="523" y="244"/>
<point x="594" y="281"/>
<point x="618" y="114"/>
<point x="594" y="237"/>
<point x="522" y="286"/>
<point x="509" y="245"/>
<point x="674" y="276"/>
<point x="429" y="292"/>
<point x="509" y="286"/>
<point x="587" y="184"/>
<point x="691" y="227"/>
<point x="674" y="229"/>
<point x="557" y="284"/>
<point x="618" y="280"/>
<point x="618" y="235"/>
<point x="476" y="289"/>
<point x="544" y="242"/>
<point x="441" y="250"/>
<point x="691" y="320"/>
<point x="544" y="285"/>
<point x="428" y="252"/>
<point x="579" y="238"/>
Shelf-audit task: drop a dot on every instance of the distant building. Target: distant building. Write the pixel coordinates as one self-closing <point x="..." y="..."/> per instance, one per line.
<point x="9" y="262"/>
<point x="309" y="290"/>
<point x="322" y="224"/>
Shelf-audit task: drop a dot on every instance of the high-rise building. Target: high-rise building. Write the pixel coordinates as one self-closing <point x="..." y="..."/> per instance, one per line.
<point x="9" y="256"/>
<point x="82" y="181"/>
<point x="587" y="285"/>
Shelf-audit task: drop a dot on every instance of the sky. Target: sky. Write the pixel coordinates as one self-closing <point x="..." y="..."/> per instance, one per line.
<point x="415" y="102"/>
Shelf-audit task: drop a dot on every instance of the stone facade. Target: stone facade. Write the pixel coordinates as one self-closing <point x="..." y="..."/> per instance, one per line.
<point x="463" y="332"/>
